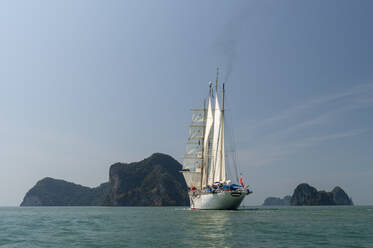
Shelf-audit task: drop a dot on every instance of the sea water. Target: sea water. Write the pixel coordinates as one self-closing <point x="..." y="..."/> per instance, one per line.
<point x="181" y="227"/>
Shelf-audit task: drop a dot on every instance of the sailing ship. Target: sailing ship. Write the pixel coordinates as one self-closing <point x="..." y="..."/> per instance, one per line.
<point x="204" y="166"/>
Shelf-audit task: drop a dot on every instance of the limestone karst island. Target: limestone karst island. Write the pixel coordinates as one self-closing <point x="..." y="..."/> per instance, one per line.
<point x="154" y="181"/>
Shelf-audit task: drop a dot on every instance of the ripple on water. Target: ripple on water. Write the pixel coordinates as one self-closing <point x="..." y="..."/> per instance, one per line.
<point x="182" y="227"/>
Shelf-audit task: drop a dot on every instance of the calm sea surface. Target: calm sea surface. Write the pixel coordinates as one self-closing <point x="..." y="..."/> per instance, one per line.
<point x="181" y="227"/>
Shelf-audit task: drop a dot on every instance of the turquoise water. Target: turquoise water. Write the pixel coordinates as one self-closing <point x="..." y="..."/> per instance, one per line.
<point x="180" y="227"/>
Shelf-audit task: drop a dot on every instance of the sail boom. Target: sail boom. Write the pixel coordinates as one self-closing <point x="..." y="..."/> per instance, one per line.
<point x="191" y="157"/>
<point x="194" y="142"/>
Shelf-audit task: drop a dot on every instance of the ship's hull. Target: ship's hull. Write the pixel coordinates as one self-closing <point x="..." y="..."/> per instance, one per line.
<point x="224" y="200"/>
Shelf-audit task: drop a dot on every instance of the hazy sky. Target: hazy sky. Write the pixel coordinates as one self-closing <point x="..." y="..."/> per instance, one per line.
<point x="84" y="84"/>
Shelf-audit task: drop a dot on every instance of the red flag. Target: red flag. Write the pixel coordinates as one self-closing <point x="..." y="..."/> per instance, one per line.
<point x="241" y="182"/>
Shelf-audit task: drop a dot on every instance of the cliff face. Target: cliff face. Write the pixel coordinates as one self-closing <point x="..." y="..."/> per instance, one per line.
<point x="306" y="195"/>
<point x="155" y="181"/>
<point x="54" y="192"/>
<point x="276" y="201"/>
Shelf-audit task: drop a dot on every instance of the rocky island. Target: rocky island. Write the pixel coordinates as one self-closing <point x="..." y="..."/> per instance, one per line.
<point x="277" y="201"/>
<point x="154" y="181"/>
<point x="55" y="192"/>
<point x="306" y="195"/>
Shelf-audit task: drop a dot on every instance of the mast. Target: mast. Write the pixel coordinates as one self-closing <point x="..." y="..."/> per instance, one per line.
<point x="222" y="138"/>
<point x="216" y="81"/>
<point x="204" y="131"/>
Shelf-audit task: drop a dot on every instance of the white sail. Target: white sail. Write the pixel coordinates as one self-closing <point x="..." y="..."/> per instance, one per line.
<point x="192" y="162"/>
<point x="209" y="123"/>
<point x="194" y="149"/>
<point x="215" y="168"/>
<point x="198" y="115"/>
<point x="192" y="178"/>
<point x="217" y="161"/>
<point x="220" y="174"/>
<point x="196" y="131"/>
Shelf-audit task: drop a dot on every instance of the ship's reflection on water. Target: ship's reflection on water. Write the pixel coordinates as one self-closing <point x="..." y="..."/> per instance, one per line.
<point x="212" y="228"/>
<point x="221" y="228"/>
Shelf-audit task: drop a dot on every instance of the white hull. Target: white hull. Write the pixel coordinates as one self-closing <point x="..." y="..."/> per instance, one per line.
<point x="225" y="200"/>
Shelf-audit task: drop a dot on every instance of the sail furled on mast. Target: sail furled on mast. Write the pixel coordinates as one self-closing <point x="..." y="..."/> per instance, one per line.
<point x="220" y="173"/>
<point x="217" y="172"/>
<point x="206" y="146"/>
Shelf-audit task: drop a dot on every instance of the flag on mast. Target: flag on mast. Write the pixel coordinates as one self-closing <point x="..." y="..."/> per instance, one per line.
<point x="241" y="182"/>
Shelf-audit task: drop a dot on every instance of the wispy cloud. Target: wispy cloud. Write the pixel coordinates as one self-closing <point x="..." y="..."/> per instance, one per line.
<point x="268" y="154"/>
<point x="318" y="139"/>
<point x="360" y="94"/>
<point x="277" y="143"/>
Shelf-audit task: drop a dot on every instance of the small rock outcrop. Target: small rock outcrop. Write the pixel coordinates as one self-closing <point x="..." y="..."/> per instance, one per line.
<point x="277" y="201"/>
<point x="340" y="197"/>
<point x="306" y="195"/>
<point x="155" y="181"/>
<point x="55" y="192"/>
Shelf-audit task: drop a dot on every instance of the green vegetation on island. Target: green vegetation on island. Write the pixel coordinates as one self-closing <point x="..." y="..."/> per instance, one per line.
<point x="155" y="181"/>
